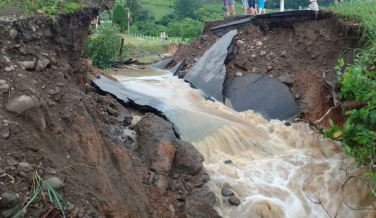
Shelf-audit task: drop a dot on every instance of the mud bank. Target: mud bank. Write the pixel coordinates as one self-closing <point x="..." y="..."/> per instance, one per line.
<point x="54" y="123"/>
<point x="297" y="50"/>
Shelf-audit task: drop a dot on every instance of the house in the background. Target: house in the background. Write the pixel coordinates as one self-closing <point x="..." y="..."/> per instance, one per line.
<point x="95" y="22"/>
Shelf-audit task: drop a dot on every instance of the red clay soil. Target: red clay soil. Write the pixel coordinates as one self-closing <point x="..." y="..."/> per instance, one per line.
<point x="298" y="54"/>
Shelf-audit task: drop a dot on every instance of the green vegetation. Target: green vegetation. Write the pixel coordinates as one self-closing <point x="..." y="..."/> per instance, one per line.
<point x="186" y="9"/>
<point x="119" y="17"/>
<point x="358" y="83"/>
<point x="103" y="47"/>
<point x="55" y="199"/>
<point x="48" y="6"/>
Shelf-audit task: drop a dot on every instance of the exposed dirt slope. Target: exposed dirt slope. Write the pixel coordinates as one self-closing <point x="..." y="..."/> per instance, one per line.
<point x="295" y="51"/>
<point x="50" y="121"/>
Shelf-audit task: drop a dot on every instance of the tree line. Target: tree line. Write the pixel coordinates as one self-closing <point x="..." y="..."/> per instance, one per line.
<point x="187" y="20"/>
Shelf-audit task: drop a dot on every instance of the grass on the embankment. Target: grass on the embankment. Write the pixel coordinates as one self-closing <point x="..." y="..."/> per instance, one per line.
<point x="48" y="6"/>
<point x="362" y="11"/>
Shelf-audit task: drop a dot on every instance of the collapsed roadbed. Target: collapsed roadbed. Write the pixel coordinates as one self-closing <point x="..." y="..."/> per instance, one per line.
<point x="297" y="50"/>
<point x="54" y="124"/>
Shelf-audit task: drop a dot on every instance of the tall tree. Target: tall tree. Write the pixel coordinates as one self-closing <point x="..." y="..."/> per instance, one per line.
<point x="186" y="8"/>
<point x="120" y="17"/>
<point x="134" y="6"/>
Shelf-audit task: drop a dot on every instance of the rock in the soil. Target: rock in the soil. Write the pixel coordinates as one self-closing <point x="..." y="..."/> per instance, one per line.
<point x="23" y="166"/>
<point x="28" y="65"/>
<point x="226" y="190"/>
<point x="81" y="212"/>
<point x="112" y="111"/>
<point x="297" y="96"/>
<point x="4" y="132"/>
<point x="286" y="78"/>
<point x="70" y="206"/>
<point x="238" y="74"/>
<point x="22" y="103"/>
<point x="9" y="69"/>
<point x="234" y="201"/>
<point x="271" y="56"/>
<point x="51" y="171"/>
<point x="162" y="184"/>
<point x="196" y="208"/>
<point x="9" y="212"/>
<point x="262" y="53"/>
<point x="127" y="120"/>
<point x="239" y="43"/>
<point x="253" y="56"/>
<point x="258" y="43"/>
<point x="42" y="63"/>
<point x="270" y="67"/>
<point x="4" y="87"/>
<point x="172" y="209"/>
<point x="13" y="33"/>
<point x="8" y="200"/>
<point x="54" y="182"/>
<point x="21" y="213"/>
<point x="187" y="159"/>
<point x="11" y="161"/>
<point x="283" y="54"/>
<point x="204" y="194"/>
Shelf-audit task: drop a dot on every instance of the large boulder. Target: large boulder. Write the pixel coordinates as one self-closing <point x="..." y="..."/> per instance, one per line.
<point x="23" y="103"/>
<point x="267" y="96"/>
<point x="187" y="159"/>
<point x="197" y="208"/>
<point x="208" y="74"/>
<point x="156" y="140"/>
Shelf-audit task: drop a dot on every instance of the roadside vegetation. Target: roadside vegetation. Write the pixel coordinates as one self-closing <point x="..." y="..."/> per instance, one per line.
<point x="48" y="6"/>
<point x="358" y="83"/>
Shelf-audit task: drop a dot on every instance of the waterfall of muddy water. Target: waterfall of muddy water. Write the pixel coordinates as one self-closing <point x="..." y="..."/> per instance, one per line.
<point x="276" y="171"/>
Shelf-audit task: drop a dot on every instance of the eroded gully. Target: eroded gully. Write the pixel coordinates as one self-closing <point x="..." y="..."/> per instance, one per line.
<point x="275" y="170"/>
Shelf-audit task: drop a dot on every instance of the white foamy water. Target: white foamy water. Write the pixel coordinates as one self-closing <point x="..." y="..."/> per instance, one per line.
<point x="276" y="171"/>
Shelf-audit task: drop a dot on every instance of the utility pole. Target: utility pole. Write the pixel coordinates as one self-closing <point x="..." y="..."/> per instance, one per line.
<point x="128" y="20"/>
<point x="282" y="5"/>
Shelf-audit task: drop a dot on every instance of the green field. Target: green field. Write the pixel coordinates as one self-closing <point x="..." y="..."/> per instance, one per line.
<point x="158" y="8"/>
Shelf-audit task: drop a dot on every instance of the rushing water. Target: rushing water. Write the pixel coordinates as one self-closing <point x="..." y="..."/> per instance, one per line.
<point x="276" y="171"/>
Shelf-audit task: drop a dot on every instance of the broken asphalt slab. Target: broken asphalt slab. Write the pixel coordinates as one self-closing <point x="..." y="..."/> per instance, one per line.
<point x="267" y="96"/>
<point x="177" y="68"/>
<point x="209" y="72"/>
<point x="162" y="64"/>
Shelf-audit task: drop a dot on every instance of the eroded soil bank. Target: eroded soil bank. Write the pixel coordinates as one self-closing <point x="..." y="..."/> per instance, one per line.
<point x="54" y="123"/>
<point x="296" y="51"/>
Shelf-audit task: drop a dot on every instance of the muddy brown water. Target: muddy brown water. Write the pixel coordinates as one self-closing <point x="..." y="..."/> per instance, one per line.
<point x="276" y="171"/>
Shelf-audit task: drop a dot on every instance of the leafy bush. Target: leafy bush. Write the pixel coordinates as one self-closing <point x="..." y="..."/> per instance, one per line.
<point x="191" y="28"/>
<point x="103" y="47"/>
<point x="358" y="83"/>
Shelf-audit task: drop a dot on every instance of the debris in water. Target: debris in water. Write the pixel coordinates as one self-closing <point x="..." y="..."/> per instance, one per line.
<point x="228" y="162"/>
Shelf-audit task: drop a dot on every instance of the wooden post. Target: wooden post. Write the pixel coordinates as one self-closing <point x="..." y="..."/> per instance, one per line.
<point x="121" y="47"/>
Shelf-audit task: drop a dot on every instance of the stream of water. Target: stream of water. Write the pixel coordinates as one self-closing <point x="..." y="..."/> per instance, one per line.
<point x="277" y="171"/>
